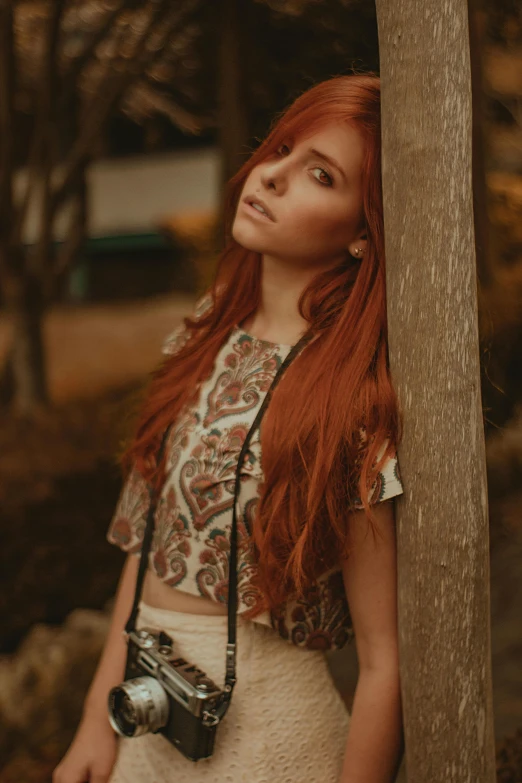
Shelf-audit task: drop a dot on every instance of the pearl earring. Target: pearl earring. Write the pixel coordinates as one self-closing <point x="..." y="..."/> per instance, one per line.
<point x="358" y="250"/>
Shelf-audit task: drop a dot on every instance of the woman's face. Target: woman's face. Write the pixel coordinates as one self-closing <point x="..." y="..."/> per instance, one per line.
<point x="314" y="205"/>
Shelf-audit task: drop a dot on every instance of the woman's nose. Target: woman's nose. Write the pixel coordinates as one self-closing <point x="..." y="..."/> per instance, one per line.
<point x="274" y="175"/>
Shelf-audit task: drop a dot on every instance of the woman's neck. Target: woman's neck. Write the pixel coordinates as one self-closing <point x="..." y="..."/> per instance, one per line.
<point x="277" y="317"/>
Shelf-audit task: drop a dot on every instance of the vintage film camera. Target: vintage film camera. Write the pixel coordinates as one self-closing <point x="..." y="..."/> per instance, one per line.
<point x="162" y="693"/>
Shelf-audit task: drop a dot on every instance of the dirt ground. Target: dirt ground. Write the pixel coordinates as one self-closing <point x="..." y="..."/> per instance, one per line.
<point x="92" y="348"/>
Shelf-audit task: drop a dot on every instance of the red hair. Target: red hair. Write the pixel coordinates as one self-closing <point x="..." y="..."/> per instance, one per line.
<point x="315" y="463"/>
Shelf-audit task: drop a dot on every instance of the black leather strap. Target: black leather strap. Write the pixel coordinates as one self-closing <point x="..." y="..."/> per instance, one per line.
<point x="146" y="543"/>
<point x="230" y="676"/>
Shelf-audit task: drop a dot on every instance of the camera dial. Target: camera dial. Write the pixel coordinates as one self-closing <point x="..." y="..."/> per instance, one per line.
<point x="204" y="684"/>
<point x="146" y="639"/>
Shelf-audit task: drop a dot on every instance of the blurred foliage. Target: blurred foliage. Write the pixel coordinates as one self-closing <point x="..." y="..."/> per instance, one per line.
<point x="99" y="41"/>
<point x="504" y="20"/>
<point x="509" y="759"/>
<point x="195" y="232"/>
<point x="179" y="74"/>
<point x="66" y="67"/>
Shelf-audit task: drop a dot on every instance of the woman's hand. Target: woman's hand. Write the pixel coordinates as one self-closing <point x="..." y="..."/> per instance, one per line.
<point x="91" y="755"/>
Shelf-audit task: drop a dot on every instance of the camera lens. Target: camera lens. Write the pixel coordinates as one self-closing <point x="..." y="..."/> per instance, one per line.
<point x="138" y="706"/>
<point x="128" y="713"/>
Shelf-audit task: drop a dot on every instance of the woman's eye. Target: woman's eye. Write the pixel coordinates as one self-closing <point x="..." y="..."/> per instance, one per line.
<point x="284" y="150"/>
<point x="323" y="171"/>
<point x="283" y="147"/>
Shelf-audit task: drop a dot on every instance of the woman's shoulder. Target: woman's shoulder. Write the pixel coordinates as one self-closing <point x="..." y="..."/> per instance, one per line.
<point x="176" y="339"/>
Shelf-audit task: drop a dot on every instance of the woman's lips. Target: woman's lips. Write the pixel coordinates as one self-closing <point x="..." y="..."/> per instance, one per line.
<point x="253" y="211"/>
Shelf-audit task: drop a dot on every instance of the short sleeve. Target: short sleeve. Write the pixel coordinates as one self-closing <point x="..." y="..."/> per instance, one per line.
<point x="175" y="341"/>
<point x="388" y="482"/>
<point x="127" y="526"/>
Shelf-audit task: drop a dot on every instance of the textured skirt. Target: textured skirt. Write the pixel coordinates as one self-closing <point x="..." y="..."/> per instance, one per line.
<point x="286" y="722"/>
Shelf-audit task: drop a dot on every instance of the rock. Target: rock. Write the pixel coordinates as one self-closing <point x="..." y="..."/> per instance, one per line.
<point x="43" y="685"/>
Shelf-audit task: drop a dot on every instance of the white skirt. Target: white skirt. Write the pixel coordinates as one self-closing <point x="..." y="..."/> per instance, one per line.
<point x="286" y="722"/>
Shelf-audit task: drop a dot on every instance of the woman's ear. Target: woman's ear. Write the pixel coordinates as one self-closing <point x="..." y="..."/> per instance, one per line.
<point x="357" y="248"/>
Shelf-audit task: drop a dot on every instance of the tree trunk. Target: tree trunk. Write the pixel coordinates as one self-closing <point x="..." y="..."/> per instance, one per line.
<point x="442" y="519"/>
<point x="25" y="371"/>
<point x="232" y="118"/>
<point x="482" y="225"/>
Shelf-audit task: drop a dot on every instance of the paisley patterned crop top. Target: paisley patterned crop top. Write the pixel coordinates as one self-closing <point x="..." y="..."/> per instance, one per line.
<point x="194" y="513"/>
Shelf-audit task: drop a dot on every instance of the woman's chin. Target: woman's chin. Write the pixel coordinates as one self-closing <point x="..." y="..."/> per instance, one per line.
<point x="248" y="240"/>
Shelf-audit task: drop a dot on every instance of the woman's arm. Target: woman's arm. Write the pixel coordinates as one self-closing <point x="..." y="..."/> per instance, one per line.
<point x="111" y="667"/>
<point x="374" y="745"/>
<point x="93" y="750"/>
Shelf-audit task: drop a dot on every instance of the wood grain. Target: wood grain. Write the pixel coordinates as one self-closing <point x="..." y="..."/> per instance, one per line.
<point x="442" y="518"/>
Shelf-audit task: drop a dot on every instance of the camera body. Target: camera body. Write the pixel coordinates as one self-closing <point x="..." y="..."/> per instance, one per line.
<point x="162" y="693"/>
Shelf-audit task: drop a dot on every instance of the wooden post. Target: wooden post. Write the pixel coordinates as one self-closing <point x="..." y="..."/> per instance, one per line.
<point x="442" y="518"/>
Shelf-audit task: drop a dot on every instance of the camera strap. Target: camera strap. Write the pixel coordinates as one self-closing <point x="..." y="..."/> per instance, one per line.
<point x="230" y="671"/>
<point x="146" y="543"/>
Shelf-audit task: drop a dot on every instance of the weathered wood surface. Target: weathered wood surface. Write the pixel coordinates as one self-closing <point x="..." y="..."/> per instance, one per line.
<point x="443" y="555"/>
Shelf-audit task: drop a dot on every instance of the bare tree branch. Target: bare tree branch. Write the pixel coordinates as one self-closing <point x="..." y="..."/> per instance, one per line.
<point x="80" y="61"/>
<point x="7" y="89"/>
<point x="111" y="92"/>
<point x="49" y="149"/>
<point x="42" y="138"/>
<point x="169" y="101"/>
<point x="75" y="234"/>
<point x="152" y="101"/>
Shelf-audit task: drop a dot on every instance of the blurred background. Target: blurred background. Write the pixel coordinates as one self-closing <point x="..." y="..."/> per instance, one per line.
<point x="119" y="124"/>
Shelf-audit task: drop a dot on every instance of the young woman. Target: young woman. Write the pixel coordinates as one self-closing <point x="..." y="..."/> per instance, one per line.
<point x="317" y="559"/>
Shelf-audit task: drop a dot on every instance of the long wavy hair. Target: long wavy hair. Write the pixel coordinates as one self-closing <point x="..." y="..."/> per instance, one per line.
<point x="334" y="418"/>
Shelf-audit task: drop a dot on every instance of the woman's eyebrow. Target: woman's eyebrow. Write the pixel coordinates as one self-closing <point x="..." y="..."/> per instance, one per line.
<point x="329" y="160"/>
